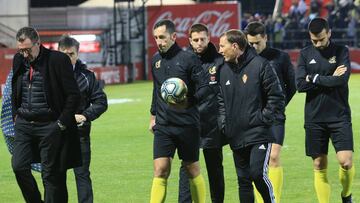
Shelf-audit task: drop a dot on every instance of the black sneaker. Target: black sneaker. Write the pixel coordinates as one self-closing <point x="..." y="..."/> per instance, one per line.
<point x="347" y="199"/>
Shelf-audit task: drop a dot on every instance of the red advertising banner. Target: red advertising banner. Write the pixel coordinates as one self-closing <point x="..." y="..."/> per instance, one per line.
<point x="219" y="17"/>
<point x="117" y="74"/>
<point x="85" y="46"/>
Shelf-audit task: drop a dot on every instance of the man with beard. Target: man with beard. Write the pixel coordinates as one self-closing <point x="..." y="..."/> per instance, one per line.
<point x="323" y="73"/>
<point x="211" y="139"/>
<point x="175" y="126"/>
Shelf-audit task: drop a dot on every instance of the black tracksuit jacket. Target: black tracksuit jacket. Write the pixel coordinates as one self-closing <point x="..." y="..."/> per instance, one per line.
<point x="93" y="99"/>
<point x="326" y="95"/>
<point x="186" y="66"/>
<point x="211" y="136"/>
<point x="281" y="63"/>
<point x="250" y="96"/>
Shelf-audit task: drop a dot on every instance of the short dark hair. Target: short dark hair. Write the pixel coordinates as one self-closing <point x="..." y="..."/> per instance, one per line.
<point x="255" y="28"/>
<point x="236" y="36"/>
<point x="66" y="42"/>
<point x="199" y="27"/>
<point x="170" y="26"/>
<point x="316" y="25"/>
<point x="27" y="32"/>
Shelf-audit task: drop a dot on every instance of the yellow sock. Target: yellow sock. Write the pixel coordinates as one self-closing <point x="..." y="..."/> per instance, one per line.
<point x="322" y="186"/>
<point x="276" y="178"/>
<point x="257" y="195"/>
<point x="158" y="190"/>
<point x="198" y="189"/>
<point x="346" y="178"/>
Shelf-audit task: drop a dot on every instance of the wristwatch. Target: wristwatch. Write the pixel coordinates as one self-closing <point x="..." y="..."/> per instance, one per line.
<point x="61" y="126"/>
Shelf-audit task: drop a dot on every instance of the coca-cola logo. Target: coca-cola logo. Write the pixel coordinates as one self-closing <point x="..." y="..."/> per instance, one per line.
<point x="215" y="20"/>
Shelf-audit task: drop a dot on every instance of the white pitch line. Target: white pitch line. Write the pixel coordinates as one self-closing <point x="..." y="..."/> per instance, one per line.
<point x="122" y="101"/>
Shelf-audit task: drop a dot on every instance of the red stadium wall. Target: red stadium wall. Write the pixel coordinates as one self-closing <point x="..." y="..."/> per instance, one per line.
<point x="219" y="17"/>
<point x="287" y="4"/>
<point x="6" y="56"/>
<point x="118" y="74"/>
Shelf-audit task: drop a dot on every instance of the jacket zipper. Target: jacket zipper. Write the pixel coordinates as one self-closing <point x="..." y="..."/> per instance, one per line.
<point x="31" y="71"/>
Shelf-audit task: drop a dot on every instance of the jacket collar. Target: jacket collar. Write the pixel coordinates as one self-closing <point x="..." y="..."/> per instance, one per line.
<point x="41" y="60"/>
<point x="247" y="56"/>
<point x="40" y="57"/>
<point x="37" y="63"/>
<point x="79" y="65"/>
<point x="265" y="52"/>
<point x="328" y="51"/>
<point x="209" y="54"/>
<point x="244" y="59"/>
<point x="173" y="50"/>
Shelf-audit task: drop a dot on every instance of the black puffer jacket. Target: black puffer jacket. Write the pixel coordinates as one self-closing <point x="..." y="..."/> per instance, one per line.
<point x="211" y="136"/>
<point x="34" y="106"/>
<point x="250" y="96"/>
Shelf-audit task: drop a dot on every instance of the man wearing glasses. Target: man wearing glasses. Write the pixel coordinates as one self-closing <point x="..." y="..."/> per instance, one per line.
<point x="45" y="96"/>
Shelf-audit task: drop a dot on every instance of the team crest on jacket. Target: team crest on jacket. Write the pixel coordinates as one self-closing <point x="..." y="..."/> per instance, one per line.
<point x="332" y="59"/>
<point x="244" y="78"/>
<point x="212" y="70"/>
<point x="157" y="64"/>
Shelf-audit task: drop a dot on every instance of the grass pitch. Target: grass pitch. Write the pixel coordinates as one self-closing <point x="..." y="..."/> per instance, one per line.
<point x="121" y="167"/>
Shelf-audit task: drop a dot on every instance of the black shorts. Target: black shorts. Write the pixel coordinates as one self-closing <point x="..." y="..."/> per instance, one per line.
<point x="278" y="132"/>
<point x="318" y="135"/>
<point x="169" y="138"/>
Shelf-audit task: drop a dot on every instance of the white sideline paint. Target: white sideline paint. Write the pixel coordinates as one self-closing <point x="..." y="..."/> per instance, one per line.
<point x="355" y="65"/>
<point x="122" y="101"/>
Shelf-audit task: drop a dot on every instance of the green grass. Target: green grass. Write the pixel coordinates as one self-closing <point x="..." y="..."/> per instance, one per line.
<point x="122" y="155"/>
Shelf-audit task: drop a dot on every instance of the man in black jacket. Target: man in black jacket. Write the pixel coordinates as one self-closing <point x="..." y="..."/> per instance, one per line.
<point x="250" y="97"/>
<point x="93" y="103"/>
<point x="323" y="73"/>
<point x="211" y="139"/>
<point x="44" y="100"/>
<point x="280" y="61"/>
<point x="175" y="126"/>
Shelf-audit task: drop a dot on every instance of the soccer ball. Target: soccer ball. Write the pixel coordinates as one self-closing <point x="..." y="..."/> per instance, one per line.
<point x="173" y="90"/>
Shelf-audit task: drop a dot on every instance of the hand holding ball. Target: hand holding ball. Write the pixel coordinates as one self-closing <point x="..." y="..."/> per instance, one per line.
<point x="174" y="91"/>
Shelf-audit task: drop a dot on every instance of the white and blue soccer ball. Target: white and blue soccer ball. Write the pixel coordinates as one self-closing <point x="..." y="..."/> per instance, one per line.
<point x="173" y="91"/>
